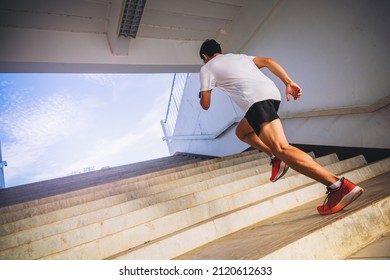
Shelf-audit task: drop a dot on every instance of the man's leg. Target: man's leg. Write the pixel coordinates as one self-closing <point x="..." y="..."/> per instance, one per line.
<point x="246" y="134"/>
<point x="341" y="192"/>
<point x="272" y="134"/>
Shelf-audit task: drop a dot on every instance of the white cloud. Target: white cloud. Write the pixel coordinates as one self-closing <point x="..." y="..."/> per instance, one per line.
<point x="34" y="127"/>
<point x="141" y="143"/>
<point x="101" y="79"/>
<point x="97" y="128"/>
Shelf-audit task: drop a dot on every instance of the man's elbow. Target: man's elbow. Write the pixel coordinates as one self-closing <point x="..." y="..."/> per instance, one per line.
<point x="205" y="100"/>
<point x="205" y="105"/>
<point x="263" y="61"/>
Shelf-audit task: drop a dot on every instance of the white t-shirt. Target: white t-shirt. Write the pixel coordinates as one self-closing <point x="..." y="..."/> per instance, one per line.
<point x="238" y="76"/>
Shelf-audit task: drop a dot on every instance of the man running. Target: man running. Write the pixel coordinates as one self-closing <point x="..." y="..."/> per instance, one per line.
<point x="238" y="75"/>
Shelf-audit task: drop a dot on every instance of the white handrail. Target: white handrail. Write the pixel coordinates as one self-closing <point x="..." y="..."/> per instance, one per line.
<point x="177" y="89"/>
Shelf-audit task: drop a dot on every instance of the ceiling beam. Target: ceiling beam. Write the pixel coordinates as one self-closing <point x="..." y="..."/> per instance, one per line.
<point x="119" y="45"/>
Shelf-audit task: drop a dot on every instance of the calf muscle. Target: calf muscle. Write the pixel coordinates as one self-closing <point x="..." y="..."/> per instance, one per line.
<point x="273" y="136"/>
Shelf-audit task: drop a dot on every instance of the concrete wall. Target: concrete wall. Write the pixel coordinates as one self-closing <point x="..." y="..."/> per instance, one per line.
<point x="337" y="51"/>
<point x="194" y="122"/>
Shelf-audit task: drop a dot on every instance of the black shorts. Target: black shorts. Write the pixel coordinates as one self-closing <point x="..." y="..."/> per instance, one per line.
<point x="263" y="111"/>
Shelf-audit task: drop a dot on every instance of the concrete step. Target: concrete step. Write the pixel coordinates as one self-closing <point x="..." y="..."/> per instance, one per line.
<point x="138" y="197"/>
<point x="83" y="196"/>
<point x="141" y="210"/>
<point x="33" y="191"/>
<point x="175" y="244"/>
<point x="143" y="216"/>
<point x="377" y="250"/>
<point x="303" y="234"/>
<point x="205" y="206"/>
<point x="148" y="169"/>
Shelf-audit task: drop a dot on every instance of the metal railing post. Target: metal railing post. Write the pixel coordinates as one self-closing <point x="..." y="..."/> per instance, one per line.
<point x="2" y="165"/>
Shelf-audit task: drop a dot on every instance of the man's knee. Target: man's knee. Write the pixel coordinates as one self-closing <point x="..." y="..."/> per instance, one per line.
<point x="240" y="131"/>
<point x="243" y="129"/>
<point x="280" y="149"/>
<point x="242" y="135"/>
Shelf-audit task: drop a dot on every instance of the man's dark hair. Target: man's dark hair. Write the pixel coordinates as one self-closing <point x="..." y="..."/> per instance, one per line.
<point x="210" y="47"/>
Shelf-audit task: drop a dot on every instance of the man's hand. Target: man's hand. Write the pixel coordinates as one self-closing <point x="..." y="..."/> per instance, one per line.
<point x="294" y="90"/>
<point x="291" y="88"/>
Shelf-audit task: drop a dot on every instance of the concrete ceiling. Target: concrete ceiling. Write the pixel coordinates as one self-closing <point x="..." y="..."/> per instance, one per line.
<point x="81" y="35"/>
<point x="162" y="19"/>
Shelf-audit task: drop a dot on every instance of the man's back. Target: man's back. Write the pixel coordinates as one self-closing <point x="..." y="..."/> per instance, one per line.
<point x="239" y="77"/>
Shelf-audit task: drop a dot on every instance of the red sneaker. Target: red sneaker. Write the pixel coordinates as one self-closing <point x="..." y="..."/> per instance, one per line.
<point x="279" y="168"/>
<point x="339" y="198"/>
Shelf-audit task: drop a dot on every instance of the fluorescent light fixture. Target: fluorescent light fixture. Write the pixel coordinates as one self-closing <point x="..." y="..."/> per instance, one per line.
<point x="131" y="18"/>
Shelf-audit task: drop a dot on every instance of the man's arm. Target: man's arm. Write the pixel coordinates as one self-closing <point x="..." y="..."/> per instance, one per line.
<point x="291" y="88"/>
<point x="205" y="99"/>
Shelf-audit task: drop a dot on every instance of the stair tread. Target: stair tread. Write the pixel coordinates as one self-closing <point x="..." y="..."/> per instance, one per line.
<point x="133" y="190"/>
<point x="269" y="235"/>
<point x="57" y="189"/>
<point x="28" y="192"/>
<point x="226" y="219"/>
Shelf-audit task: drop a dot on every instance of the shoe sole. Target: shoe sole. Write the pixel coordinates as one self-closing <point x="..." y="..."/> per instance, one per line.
<point x="345" y="201"/>
<point x="281" y="173"/>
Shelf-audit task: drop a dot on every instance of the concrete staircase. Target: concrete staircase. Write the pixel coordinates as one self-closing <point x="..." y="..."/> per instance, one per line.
<point x="43" y="189"/>
<point x="193" y="210"/>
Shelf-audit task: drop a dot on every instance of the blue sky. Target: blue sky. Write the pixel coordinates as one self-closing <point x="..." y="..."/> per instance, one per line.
<point x="53" y="125"/>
